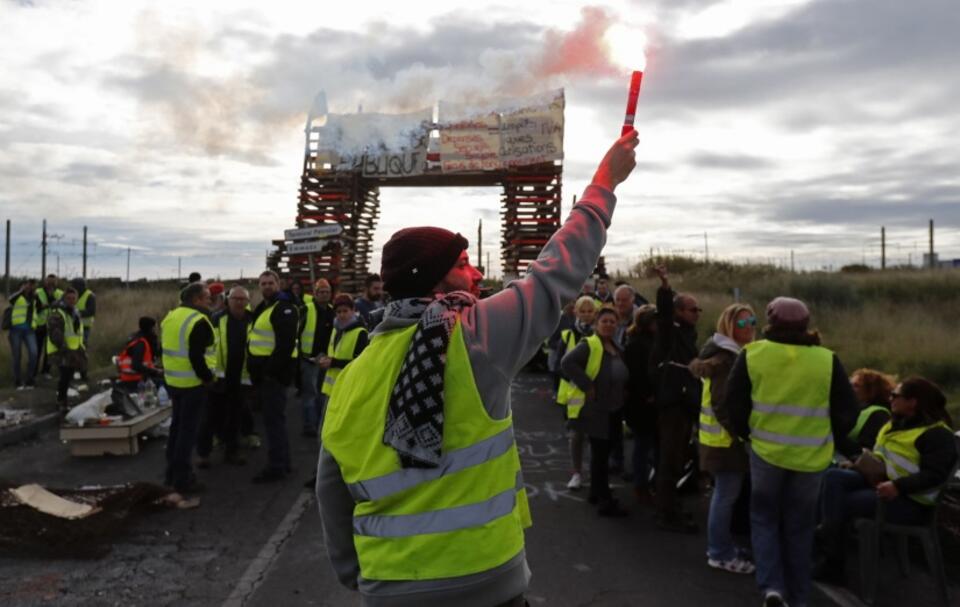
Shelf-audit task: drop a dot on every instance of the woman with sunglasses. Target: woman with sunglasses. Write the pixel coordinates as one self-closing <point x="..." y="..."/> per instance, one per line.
<point x="721" y="455"/>
<point x="916" y="450"/>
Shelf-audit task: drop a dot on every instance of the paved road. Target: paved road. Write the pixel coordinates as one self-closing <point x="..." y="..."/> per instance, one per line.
<point x="262" y="546"/>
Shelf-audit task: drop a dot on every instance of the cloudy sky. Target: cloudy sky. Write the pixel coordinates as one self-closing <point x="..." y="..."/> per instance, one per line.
<point x="176" y="128"/>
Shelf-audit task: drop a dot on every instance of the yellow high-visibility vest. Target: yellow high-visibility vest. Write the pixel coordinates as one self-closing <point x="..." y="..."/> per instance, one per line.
<point x="711" y="433"/>
<point x="463" y="517"/>
<point x="343" y="350"/>
<point x="897" y="449"/>
<point x="82" y="305"/>
<point x="569" y="339"/>
<point x="790" y="389"/>
<point x="576" y="398"/>
<point x="72" y="338"/>
<point x="262" y="337"/>
<point x="223" y="348"/>
<point x="175" y="332"/>
<point x="41" y="316"/>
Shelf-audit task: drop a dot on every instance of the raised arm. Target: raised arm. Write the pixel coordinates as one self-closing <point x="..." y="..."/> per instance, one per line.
<point x="506" y="329"/>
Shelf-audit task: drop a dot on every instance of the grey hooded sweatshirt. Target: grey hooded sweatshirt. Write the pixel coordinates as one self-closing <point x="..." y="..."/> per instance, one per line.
<point x="501" y="332"/>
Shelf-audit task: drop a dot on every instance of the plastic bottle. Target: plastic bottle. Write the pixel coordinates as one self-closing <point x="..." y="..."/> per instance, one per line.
<point x="151" y="390"/>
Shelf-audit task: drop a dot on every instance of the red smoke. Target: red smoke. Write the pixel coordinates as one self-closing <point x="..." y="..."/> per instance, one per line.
<point x="581" y="51"/>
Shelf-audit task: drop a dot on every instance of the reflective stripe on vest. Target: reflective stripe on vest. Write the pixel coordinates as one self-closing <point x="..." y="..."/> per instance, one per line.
<point x="790" y="389"/>
<point x="343" y="350"/>
<point x="897" y="449"/>
<point x="577" y="398"/>
<point x="309" y="329"/>
<point x="467" y="515"/>
<point x="125" y="362"/>
<point x="569" y="339"/>
<point x="711" y="433"/>
<point x="862" y="418"/>
<point x="82" y="306"/>
<point x="72" y="339"/>
<point x="174" y="335"/>
<point x="223" y="350"/>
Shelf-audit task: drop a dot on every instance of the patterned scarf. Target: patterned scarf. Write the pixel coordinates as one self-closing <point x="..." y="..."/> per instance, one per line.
<point x="414" y="425"/>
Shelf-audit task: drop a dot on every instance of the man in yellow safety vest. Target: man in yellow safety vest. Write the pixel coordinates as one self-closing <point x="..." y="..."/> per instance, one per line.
<point x="419" y="482"/>
<point x="20" y="319"/>
<point x="272" y="362"/>
<point x="186" y="335"/>
<point x="317" y="325"/>
<point x="64" y="342"/>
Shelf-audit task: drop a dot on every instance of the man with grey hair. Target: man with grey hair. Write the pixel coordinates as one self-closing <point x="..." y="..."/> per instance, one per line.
<point x="185" y="335"/>
<point x="623" y="302"/>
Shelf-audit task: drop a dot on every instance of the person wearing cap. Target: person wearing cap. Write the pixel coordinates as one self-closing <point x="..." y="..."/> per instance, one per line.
<point x="348" y="339"/>
<point x="317" y="321"/>
<point x="271" y="360"/>
<point x="137" y="361"/>
<point x="218" y="299"/>
<point x="419" y="484"/>
<point x="790" y="398"/>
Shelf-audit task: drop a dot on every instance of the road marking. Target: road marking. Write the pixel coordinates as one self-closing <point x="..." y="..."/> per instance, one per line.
<point x="257" y="570"/>
<point x="840" y="596"/>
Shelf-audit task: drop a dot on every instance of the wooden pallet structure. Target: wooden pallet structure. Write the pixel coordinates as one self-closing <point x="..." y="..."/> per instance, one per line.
<point x="347" y="193"/>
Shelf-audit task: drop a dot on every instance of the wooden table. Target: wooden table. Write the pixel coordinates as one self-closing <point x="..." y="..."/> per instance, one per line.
<point x="118" y="438"/>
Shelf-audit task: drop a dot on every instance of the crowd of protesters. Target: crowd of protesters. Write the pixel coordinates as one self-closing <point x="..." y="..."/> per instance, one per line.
<point x="792" y="448"/>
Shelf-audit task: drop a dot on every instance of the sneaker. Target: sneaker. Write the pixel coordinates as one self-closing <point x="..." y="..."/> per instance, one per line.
<point x="575" y="482"/>
<point x="774" y="599"/>
<point x="19" y="388"/>
<point x="734" y="565"/>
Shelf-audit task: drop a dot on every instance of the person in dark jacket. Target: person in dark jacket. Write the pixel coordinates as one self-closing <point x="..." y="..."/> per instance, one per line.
<point x="792" y="401"/>
<point x="640" y="412"/>
<point x="873" y="390"/>
<point x="22" y="309"/>
<point x="605" y="394"/>
<point x="677" y="396"/>
<point x="918" y="451"/>
<point x="271" y="363"/>
<point x="722" y="456"/>
<point x="190" y="402"/>
<point x="230" y="396"/>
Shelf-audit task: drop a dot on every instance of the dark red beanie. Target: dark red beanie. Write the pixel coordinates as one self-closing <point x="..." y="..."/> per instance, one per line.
<point x="788" y="313"/>
<point x="416" y="259"/>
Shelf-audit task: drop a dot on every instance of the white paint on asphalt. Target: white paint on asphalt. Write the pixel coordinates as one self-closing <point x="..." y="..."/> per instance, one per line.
<point x="256" y="572"/>
<point x="840" y="596"/>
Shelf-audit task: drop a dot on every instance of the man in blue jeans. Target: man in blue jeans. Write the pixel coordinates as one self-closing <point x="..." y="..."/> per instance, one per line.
<point x="789" y="397"/>
<point x="22" y="324"/>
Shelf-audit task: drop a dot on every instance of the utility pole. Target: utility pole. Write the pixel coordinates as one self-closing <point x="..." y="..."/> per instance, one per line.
<point x="883" y="247"/>
<point x="706" y="249"/>
<point x="792" y="270"/>
<point x="487" y="268"/>
<point x="931" y="245"/>
<point x="178" y="270"/>
<point x="43" y="250"/>
<point x="128" y="267"/>
<point x="84" y="252"/>
<point x="6" y="270"/>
